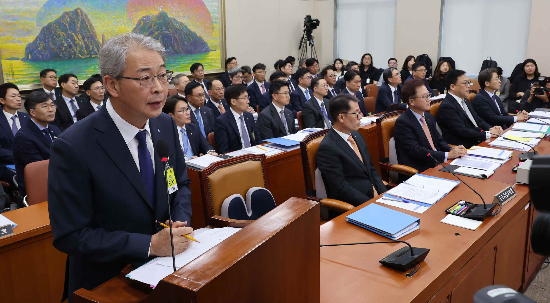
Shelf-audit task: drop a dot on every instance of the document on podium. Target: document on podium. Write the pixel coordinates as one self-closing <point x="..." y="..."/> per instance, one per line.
<point x="157" y="269"/>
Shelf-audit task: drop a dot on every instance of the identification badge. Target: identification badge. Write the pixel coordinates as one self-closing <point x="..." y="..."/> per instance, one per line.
<point x="171" y="180"/>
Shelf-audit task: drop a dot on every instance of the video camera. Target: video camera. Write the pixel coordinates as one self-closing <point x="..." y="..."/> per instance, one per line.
<point x="309" y="25"/>
<point x="540" y="85"/>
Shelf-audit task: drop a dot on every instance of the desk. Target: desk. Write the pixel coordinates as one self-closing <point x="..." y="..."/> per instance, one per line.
<point x="32" y="269"/>
<point x="285" y="179"/>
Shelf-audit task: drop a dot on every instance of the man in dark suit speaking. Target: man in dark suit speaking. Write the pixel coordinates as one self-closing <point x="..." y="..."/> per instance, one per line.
<point x="343" y="158"/>
<point x="106" y="185"/>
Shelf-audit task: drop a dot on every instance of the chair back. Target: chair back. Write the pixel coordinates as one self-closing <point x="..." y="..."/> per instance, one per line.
<point x="211" y="140"/>
<point x="370" y="104"/>
<point x="36" y="182"/>
<point x="434" y="107"/>
<point x="300" y="120"/>
<point x="384" y="126"/>
<point x="308" y="148"/>
<point x="231" y="176"/>
<point x="475" y="85"/>
<point x="372" y="90"/>
<point x="471" y="97"/>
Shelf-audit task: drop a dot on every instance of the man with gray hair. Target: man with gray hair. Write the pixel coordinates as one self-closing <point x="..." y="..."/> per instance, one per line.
<point x="236" y="76"/>
<point x="180" y="81"/>
<point x="106" y="185"/>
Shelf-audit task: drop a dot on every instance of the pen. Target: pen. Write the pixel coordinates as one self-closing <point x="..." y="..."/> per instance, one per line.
<point x="188" y="237"/>
<point x="261" y="148"/>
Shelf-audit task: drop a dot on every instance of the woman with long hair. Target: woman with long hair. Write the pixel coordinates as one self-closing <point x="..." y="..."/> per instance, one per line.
<point x="522" y="83"/>
<point x="438" y="81"/>
<point x="407" y="68"/>
<point x="369" y="73"/>
<point x="339" y="67"/>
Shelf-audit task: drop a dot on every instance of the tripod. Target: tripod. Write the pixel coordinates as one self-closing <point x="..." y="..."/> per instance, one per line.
<point x="307" y="38"/>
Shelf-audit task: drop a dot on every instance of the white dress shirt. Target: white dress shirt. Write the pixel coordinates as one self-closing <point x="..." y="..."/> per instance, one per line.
<point x="10" y="121"/>
<point x="237" y="119"/>
<point x="94" y="105"/>
<point x="260" y="86"/>
<point x="417" y="116"/>
<point x="129" y="132"/>
<point x="68" y="101"/>
<point x="459" y="101"/>
<point x="344" y="136"/>
<point x="49" y="93"/>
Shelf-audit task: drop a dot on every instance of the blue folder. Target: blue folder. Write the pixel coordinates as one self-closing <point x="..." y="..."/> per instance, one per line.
<point x="283" y="141"/>
<point x="384" y="221"/>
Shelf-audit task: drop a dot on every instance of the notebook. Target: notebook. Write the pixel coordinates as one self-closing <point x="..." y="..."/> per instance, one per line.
<point x="384" y="221"/>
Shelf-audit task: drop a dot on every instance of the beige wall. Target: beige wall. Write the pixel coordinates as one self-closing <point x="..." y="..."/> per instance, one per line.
<point x="538" y="45"/>
<point x="267" y="30"/>
<point x="417" y="28"/>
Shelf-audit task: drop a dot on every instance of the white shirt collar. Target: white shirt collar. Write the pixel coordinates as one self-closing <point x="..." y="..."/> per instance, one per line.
<point x="8" y="115"/>
<point x="318" y="101"/>
<point x="277" y="108"/>
<point x="459" y="100"/>
<point x="180" y="128"/>
<point x="259" y="83"/>
<point x="490" y="94"/>
<point x="237" y="116"/>
<point x="181" y="95"/>
<point x="94" y="105"/>
<point x="350" y="92"/>
<point x="67" y="99"/>
<point x="393" y="89"/>
<point x="127" y="130"/>
<point x="214" y="102"/>
<point x="47" y="91"/>
<point x="192" y="107"/>
<point x="303" y="89"/>
<point x="343" y="135"/>
<point x="416" y="115"/>
<point x="40" y="127"/>
<point x="248" y="83"/>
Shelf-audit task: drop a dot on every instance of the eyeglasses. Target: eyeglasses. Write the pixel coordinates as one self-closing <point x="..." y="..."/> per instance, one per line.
<point x="48" y="107"/>
<point x="466" y="83"/>
<point x="357" y="114"/>
<point x="425" y="97"/>
<point x="287" y="93"/>
<point x="245" y="97"/>
<point x="200" y="71"/>
<point x="261" y="72"/>
<point x="199" y="95"/>
<point x="99" y="88"/>
<point x="420" y="70"/>
<point x="237" y="77"/>
<point x="184" y="110"/>
<point x="220" y="89"/>
<point x="148" y="80"/>
<point x="307" y="78"/>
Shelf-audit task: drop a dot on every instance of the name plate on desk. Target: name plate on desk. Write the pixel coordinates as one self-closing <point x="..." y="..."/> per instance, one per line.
<point x="505" y="195"/>
<point x="6" y="230"/>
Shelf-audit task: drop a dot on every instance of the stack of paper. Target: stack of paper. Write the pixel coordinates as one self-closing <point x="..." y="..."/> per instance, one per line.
<point x="461" y="222"/>
<point x="491" y="153"/>
<point x="256" y="150"/>
<point x="5" y="221"/>
<point x="537" y="120"/>
<point x="203" y="162"/>
<point x="422" y="190"/>
<point x="478" y="163"/>
<point x="540" y="114"/>
<point x="384" y="221"/>
<point x="530" y="127"/>
<point x="368" y="120"/>
<point x="522" y="134"/>
<point x="157" y="269"/>
<point x="522" y="146"/>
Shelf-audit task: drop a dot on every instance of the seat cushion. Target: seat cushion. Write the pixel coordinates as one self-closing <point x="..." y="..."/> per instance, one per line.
<point x="259" y="201"/>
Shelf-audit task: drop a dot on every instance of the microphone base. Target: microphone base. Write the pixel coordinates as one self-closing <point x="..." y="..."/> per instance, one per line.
<point x="527" y="156"/>
<point x="478" y="212"/>
<point x="402" y="260"/>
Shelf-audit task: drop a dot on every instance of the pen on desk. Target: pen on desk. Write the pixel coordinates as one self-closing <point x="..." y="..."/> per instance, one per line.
<point x="188" y="237"/>
<point x="261" y="148"/>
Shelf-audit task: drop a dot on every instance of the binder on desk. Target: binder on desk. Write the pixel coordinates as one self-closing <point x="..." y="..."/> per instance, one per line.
<point x="384" y="221"/>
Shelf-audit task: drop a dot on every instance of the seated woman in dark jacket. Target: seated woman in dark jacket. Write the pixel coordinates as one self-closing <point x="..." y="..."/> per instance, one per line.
<point x="438" y="81"/>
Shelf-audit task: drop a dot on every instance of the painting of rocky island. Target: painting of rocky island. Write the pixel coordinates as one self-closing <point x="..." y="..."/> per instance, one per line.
<point x="67" y="34"/>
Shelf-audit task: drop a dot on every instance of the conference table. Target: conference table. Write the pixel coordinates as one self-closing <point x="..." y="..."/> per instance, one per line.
<point x="460" y="261"/>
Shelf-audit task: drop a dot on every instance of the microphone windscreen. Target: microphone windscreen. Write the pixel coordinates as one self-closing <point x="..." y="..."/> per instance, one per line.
<point x="162" y="149"/>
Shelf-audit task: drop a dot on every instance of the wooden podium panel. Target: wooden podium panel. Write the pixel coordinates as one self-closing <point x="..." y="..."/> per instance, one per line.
<point x="32" y="270"/>
<point x="274" y="259"/>
<point x="369" y="133"/>
<point x="353" y="273"/>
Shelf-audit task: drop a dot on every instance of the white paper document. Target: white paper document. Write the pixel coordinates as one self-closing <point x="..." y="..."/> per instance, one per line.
<point x="5" y="221"/>
<point x="368" y="120"/>
<point x="523" y="146"/>
<point x="476" y="162"/>
<point x="441" y="96"/>
<point x="461" y="222"/>
<point x="474" y="172"/>
<point x="488" y="152"/>
<point x="423" y="189"/>
<point x="403" y="205"/>
<point x="256" y="150"/>
<point x="530" y="127"/>
<point x="157" y="269"/>
<point x="540" y="114"/>
<point x="537" y="120"/>
<point x="522" y="134"/>
<point x="204" y="160"/>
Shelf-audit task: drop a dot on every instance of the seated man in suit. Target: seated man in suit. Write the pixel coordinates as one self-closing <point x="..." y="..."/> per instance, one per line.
<point x="353" y="86"/>
<point x="286" y="67"/>
<point x="416" y="133"/>
<point x="392" y="62"/>
<point x="419" y="72"/>
<point x="48" y="78"/>
<point x="343" y="158"/>
<point x="276" y="120"/>
<point x="236" y="128"/>
<point x="68" y="104"/>
<point x="489" y="106"/>
<point x="197" y="71"/>
<point x="11" y="122"/>
<point x="201" y="115"/>
<point x="329" y="74"/>
<point x="247" y="75"/>
<point x="230" y="63"/>
<point x="315" y="111"/>
<point x="459" y="122"/>
<point x="106" y="189"/>
<point x="180" y="82"/>
<point x="389" y="93"/>
<point x="94" y="88"/>
<point x="192" y="143"/>
<point x="300" y="95"/>
<point x="265" y="101"/>
<point x="217" y="103"/>
<point x="32" y="142"/>
<point x="313" y="66"/>
<point x="259" y="86"/>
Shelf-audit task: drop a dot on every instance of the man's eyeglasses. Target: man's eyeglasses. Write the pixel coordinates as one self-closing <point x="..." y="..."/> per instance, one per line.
<point x="245" y="97"/>
<point x="425" y="97"/>
<point x="466" y="83"/>
<point x="286" y="93"/>
<point x="420" y="70"/>
<point x="199" y="95"/>
<point x="48" y="107"/>
<point x="184" y="110"/>
<point x="357" y="114"/>
<point x="148" y="80"/>
<point x="307" y="78"/>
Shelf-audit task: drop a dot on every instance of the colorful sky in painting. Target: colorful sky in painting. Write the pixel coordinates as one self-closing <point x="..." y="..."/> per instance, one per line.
<point x="21" y="20"/>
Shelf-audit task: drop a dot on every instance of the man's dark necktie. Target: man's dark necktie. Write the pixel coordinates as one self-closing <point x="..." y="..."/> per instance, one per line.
<point x="47" y="134"/>
<point x="146" y="165"/>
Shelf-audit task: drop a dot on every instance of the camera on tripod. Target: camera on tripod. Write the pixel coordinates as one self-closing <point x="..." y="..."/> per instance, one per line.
<point x="310" y="24"/>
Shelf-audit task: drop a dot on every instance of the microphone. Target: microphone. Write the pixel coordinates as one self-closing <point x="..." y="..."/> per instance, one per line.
<point x="476" y="212"/>
<point x="400" y="259"/>
<point x="163" y="151"/>
<point x="526" y="155"/>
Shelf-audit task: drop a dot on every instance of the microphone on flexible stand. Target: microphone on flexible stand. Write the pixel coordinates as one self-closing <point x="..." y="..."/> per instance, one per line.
<point x="477" y="212"/>
<point x="400" y="259"/>
<point x="163" y="152"/>
<point x="526" y="155"/>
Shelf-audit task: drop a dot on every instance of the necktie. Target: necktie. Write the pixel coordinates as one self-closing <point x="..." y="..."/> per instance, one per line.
<point x="263" y="88"/>
<point x="332" y="92"/>
<point x="74" y="108"/>
<point x="467" y="110"/>
<point x="244" y="133"/>
<point x="146" y="165"/>
<point x="99" y="107"/>
<point x="282" y="114"/>
<point x="14" y="128"/>
<point x="306" y="92"/>
<point x="52" y="96"/>
<point x="395" y="97"/>
<point x="427" y="132"/>
<point x="47" y="134"/>
<point x="221" y="108"/>
<point x="187" y="151"/>
<point x="325" y="116"/>
<point x="355" y="148"/>
<point x="496" y="103"/>
<point x="199" y="120"/>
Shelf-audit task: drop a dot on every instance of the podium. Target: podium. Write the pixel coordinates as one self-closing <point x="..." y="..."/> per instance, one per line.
<point x="273" y="259"/>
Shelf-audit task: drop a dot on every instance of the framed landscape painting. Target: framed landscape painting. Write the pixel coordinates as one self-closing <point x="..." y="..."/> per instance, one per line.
<point x="67" y="35"/>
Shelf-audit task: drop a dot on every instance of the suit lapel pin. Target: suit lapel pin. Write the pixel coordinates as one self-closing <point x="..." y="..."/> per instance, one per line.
<point x="158" y="130"/>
